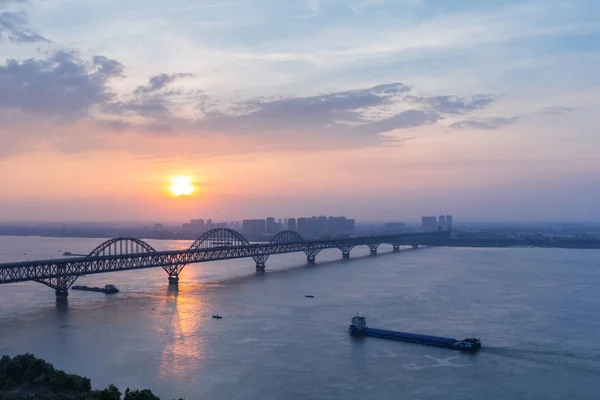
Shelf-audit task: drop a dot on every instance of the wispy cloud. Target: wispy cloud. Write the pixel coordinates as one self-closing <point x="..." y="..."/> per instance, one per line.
<point x="486" y="123"/>
<point x="158" y="82"/>
<point x="14" y="27"/>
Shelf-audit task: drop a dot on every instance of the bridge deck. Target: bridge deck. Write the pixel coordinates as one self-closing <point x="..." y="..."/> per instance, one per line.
<point x="61" y="273"/>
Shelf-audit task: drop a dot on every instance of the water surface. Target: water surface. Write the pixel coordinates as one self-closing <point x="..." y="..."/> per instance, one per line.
<point x="534" y="309"/>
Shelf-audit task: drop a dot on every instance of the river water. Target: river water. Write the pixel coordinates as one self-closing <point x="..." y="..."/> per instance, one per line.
<point x="536" y="311"/>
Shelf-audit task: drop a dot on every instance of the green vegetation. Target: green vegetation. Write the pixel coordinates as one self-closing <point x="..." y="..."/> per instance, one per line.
<point x="25" y="377"/>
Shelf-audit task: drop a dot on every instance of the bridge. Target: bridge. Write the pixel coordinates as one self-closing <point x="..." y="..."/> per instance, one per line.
<point x="122" y="254"/>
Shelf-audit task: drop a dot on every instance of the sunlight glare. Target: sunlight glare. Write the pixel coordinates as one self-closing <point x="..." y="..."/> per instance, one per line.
<point x="181" y="186"/>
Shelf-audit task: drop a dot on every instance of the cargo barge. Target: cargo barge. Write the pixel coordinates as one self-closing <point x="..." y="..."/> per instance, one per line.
<point x="108" y="289"/>
<point x="359" y="327"/>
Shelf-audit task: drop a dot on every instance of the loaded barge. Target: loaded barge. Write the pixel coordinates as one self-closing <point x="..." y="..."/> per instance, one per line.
<point x="359" y="328"/>
<point x="108" y="289"/>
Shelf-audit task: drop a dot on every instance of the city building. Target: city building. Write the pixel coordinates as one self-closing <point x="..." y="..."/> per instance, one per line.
<point x="254" y="226"/>
<point x="429" y="223"/>
<point x="270" y="225"/>
<point x="291" y="224"/>
<point x="303" y="226"/>
<point x="394" y="227"/>
<point x="449" y="222"/>
<point x="197" y="224"/>
<point x="442" y="223"/>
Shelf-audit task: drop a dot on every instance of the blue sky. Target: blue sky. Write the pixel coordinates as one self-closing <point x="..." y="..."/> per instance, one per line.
<point x="474" y="97"/>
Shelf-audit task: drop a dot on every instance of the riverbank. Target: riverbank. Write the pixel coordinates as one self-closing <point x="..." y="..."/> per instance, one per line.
<point x="25" y="377"/>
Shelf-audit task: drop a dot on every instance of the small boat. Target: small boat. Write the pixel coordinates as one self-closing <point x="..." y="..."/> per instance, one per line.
<point x="67" y="253"/>
<point x="217" y="316"/>
<point x="310" y="296"/>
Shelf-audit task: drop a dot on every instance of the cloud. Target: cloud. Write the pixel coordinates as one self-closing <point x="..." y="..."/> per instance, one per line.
<point x="62" y="85"/>
<point x="454" y="104"/>
<point x="149" y="101"/>
<point x="341" y="114"/>
<point x="147" y="107"/>
<point x="160" y="81"/>
<point x="488" y="123"/>
<point x="557" y="110"/>
<point x="14" y="27"/>
<point x="4" y="3"/>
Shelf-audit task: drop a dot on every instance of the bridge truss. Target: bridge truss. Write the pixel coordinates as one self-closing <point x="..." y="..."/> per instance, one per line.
<point x="121" y="254"/>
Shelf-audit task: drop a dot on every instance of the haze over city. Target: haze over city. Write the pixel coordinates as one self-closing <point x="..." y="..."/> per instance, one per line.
<point x="381" y="110"/>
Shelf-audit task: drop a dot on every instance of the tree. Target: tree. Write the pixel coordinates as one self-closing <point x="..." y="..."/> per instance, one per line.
<point x="139" y="395"/>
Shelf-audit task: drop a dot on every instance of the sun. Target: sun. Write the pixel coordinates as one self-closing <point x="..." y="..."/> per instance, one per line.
<point x="181" y="186"/>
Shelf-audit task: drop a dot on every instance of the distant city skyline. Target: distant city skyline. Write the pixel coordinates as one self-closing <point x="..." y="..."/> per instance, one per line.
<point x="159" y="111"/>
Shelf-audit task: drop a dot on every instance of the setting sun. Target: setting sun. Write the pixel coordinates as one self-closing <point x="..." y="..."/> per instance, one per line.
<point x="181" y="186"/>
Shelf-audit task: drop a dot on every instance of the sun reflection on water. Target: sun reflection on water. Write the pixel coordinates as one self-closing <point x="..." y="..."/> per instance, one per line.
<point x="185" y="343"/>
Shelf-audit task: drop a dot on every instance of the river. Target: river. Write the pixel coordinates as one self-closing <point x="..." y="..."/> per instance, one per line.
<point x="536" y="311"/>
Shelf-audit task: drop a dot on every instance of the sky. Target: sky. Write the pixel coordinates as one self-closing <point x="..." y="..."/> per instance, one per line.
<point x="382" y="110"/>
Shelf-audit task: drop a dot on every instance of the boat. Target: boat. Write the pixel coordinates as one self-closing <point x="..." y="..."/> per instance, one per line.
<point x="310" y="296"/>
<point x="217" y="316"/>
<point x="67" y="253"/>
<point x="108" y="289"/>
<point x="359" y="327"/>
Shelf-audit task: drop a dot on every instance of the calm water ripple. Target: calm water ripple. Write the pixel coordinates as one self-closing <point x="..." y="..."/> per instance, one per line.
<point x="535" y="310"/>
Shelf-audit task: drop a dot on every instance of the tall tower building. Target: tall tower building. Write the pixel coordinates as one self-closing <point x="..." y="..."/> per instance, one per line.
<point x="270" y="225"/>
<point x="442" y="223"/>
<point x="291" y="224"/>
<point x="449" y="222"/>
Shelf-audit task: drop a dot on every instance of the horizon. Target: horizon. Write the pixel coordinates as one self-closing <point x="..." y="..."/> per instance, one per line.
<point x="378" y="110"/>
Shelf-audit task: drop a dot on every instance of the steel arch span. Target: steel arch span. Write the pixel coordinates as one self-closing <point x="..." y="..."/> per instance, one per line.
<point x="287" y="237"/>
<point x="284" y="237"/>
<point x="220" y="237"/>
<point x="113" y="247"/>
<point x="121" y="246"/>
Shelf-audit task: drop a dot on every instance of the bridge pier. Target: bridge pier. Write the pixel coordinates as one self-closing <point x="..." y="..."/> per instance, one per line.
<point x="396" y="248"/>
<point x="415" y="246"/>
<point x="61" y="294"/>
<point x="173" y="280"/>
<point x="260" y="260"/>
<point x="373" y="248"/>
<point x="346" y="251"/>
<point x="311" y="256"/>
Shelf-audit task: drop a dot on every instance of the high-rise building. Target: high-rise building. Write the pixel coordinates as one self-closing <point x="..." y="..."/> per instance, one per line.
<point x="278" y="227"/>
<point x="257" y="226"/>
<point x="303" y="225"/>
<point x="449" y="222"/>
<point x="270" y="225"/>
<point x="322" y="225"/>
<point x="261" y="226"/>
<point x="197" y="224"/>
<point x="429" y="224"/>
<point x="291" y="224"/>
<point x="442" y="223"/>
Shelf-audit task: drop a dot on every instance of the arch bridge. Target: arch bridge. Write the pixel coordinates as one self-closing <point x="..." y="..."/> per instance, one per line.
<point x="121" y="254"/>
